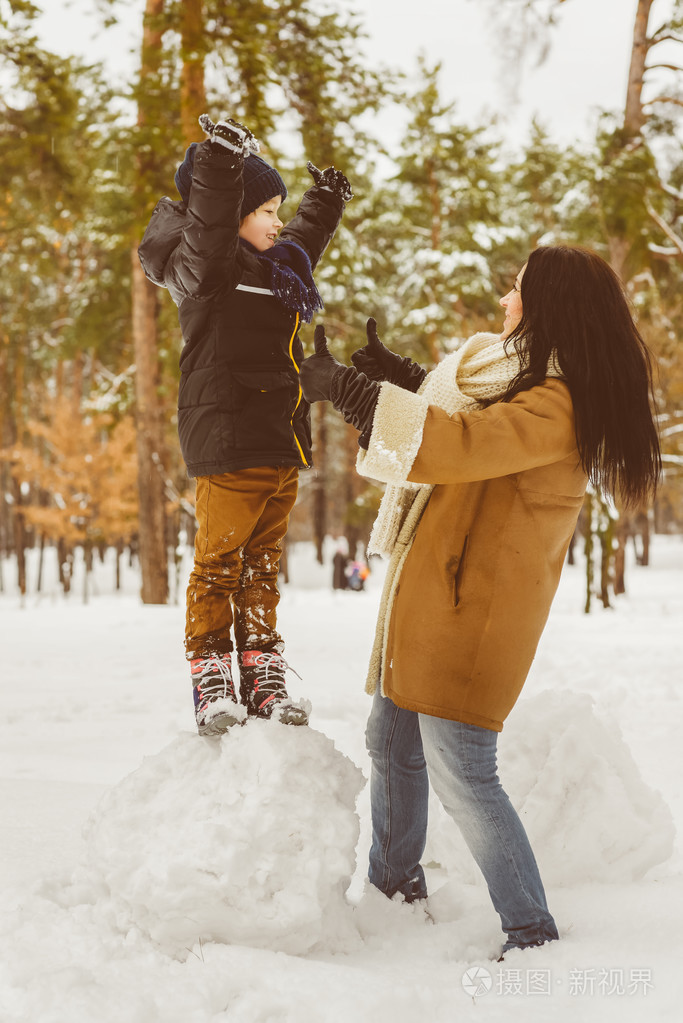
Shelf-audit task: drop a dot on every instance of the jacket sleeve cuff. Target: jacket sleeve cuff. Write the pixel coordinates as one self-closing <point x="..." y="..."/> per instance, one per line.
<point x="396" y="436"/>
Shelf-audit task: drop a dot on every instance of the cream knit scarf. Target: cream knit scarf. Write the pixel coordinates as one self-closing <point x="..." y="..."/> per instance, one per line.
<point x="478" y="371"/>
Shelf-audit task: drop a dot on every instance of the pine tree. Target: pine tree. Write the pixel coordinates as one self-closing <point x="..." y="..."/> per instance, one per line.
<point x="56" y="256"/>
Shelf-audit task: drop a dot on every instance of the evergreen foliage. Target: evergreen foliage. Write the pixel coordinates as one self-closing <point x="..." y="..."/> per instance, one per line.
<point x="435" y="233"/>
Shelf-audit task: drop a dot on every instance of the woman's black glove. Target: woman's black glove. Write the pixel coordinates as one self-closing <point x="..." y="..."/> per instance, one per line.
<point x="378" y="363"/>
<point x="323" y="378"/>
<point x="332" y="179"/>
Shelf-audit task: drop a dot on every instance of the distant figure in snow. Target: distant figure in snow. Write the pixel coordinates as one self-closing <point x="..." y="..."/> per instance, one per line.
<point x="357" y="572"/>
<point x="340" y="563"/>
<point x="486" y="459"/>
<point x="243" y="284"/>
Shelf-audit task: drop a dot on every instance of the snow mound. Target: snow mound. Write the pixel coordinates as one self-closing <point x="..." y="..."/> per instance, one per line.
<point x="247" y="839"/>
<point x="589" y="815"/>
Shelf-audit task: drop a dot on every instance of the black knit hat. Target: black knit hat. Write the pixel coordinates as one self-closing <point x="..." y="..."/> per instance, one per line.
<point x="261" y="181"/>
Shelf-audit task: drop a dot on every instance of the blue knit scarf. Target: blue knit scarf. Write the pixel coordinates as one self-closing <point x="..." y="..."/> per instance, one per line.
<point x="291" y="277"/>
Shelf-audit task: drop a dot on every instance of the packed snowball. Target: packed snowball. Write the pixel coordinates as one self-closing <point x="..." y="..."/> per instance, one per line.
<point x="249" y="839"/>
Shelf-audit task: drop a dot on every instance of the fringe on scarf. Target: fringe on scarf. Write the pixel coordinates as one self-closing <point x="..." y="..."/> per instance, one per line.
<point x="291" y="279"/>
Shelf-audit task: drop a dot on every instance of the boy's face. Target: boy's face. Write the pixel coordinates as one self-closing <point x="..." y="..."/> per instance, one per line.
<point x="261" y="227"/>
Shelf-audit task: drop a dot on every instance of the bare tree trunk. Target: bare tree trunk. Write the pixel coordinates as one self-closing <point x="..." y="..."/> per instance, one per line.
<point x="66" y="562"/>
<point x="19" y="537"/>
<point x="117" y="564"/>
<point x="623" y="532"/>
<point x="87" y="569"/>
<point x="41" y="559"/>
<point x="643" y="528"/>
<point x="6" y="432"/>
<point x="634" y="117"/>
<point x="18" y="521"/>
<point x="588" y="533"/>
<point x="149" y="435"/>
<point x="619" y="249"/>
<point x="606" y="557"/>
<point x="148" y="413"/>
<point x="352" y="531"/>
<point x="192" y="92"/>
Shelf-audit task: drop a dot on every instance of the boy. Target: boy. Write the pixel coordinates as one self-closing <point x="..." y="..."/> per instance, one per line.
<point x="242" y="285"/>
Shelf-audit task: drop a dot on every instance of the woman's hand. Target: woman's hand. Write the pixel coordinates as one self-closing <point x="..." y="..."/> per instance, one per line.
<point x="379" y="363"/>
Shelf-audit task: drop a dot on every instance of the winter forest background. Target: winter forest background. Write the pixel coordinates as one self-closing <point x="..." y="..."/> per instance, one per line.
<point x="148" y="875"/>
<point x="89" y="460"/>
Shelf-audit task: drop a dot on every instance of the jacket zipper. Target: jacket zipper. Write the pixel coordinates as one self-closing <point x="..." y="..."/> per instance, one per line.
<point x="298" y="400"/>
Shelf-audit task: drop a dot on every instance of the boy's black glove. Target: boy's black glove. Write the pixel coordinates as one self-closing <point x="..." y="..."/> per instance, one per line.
<point x="230" y="134"/>
<point x="331" y="179"/>
<point x="323" y="378"/>
<point x="318" y="371"/>
<point x="379" y="363"/>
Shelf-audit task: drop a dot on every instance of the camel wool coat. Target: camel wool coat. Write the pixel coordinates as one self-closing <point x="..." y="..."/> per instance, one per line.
<point x="474" y="591"/>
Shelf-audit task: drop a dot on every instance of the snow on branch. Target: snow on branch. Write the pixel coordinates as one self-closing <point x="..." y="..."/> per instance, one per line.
<point x="664" y="99"/>
<point x="668" y="67"/>
<point x="671" y="431"/>
<point x="662" y="251"/>
<point x="666" y="228"/>
<point x="673" y="192"/>
<point x="662" y="35"/>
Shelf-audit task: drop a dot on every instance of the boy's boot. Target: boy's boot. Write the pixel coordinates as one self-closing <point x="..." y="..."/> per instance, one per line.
<point x="262" y="688"/>
<point x="215" y="703"/>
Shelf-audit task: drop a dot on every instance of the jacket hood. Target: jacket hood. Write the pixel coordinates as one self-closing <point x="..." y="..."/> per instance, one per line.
<point x="161" y="237"/>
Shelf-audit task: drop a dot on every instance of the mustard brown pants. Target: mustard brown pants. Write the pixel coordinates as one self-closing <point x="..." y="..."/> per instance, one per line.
<point x="242" y="518"/>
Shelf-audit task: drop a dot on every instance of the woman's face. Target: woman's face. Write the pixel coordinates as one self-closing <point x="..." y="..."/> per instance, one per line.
<point x="261" y="227"/>
<point x="512" y="304"/>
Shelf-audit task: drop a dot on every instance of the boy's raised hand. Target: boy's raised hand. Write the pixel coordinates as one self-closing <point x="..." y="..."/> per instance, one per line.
<point x="230" y="134"/>
<point x="331" y="179"/>
<point x="318" y="371"/>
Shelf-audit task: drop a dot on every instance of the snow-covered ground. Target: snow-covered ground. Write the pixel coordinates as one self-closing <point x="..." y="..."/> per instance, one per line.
<point x="150" y="875"/>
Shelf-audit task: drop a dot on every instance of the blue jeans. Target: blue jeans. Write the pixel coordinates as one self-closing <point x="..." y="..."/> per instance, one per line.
<point x="461" y="760"/>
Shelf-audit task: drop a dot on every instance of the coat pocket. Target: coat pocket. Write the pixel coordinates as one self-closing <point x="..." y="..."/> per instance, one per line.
<point x="261" y="381"/>
<point x="458" y="564"/>
<point x="263" y="404"/>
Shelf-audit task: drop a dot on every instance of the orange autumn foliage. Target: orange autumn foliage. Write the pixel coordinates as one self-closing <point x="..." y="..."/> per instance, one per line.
<point x="78" y="473"/>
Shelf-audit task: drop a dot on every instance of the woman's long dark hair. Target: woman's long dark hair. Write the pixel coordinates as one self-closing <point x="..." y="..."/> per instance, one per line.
<point x="574" y="308"/>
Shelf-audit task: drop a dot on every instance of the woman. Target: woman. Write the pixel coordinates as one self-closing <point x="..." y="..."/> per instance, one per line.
<point x="487" y="460"/>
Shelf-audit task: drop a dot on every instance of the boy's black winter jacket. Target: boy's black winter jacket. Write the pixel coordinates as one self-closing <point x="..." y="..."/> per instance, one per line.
<point x="240" y="404"/>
